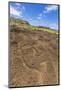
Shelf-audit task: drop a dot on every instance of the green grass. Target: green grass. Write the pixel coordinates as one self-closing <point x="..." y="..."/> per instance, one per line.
<point x="44" y="29"/>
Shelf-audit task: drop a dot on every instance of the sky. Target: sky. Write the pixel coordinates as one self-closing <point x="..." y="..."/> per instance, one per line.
<point x="36" y="14"/>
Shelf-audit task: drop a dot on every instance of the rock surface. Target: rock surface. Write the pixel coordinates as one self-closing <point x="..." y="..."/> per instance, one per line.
<point x="33" y="58"/>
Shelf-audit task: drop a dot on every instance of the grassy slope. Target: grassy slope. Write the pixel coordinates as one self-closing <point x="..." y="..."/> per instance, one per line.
<point x="26" y="25"/>
<point x="44" y="29"/>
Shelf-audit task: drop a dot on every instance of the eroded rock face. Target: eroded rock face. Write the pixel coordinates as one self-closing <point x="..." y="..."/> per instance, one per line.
<point x="33" y="58"/>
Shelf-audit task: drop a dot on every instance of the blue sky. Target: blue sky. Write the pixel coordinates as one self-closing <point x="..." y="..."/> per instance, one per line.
<point x="36" y="14"/>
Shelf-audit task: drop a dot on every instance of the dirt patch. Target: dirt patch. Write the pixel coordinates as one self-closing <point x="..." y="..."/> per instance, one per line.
<point x="33" y="58"/>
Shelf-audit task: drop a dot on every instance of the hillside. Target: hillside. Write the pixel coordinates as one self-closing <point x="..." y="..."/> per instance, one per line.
<point x="33" y="55"/>
<point x="19" y="23"/>
<point x="25" y="25"/>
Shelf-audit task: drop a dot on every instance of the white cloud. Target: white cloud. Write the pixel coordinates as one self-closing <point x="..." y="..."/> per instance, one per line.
<point x="23" y="8"/>
<point x="39" y="16"/>
<point x="15" y="12"/>
<point x="18" y="4"/>
<point x="50" y="8"/>
<point x="54" y="26"/>
<point x="30" y="19"/>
